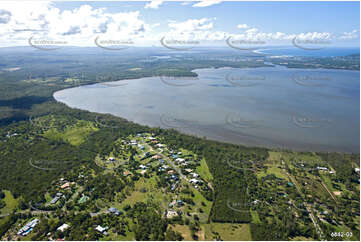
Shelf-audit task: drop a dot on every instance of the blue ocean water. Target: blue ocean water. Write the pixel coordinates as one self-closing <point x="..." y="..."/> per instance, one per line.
<point x="301" y="109"/>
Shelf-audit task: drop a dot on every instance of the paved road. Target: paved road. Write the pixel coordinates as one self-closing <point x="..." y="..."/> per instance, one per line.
<point x="36" y="212"/>
<point x="174" y="166"/>
<point x="98" y="213"/>
<point x="324" y="185"/>
<point x="170" y="162"/>
<point x="308" y="208"/>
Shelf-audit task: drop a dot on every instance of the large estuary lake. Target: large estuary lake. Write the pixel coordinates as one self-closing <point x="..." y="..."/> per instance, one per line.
<point x="311" y="110"/>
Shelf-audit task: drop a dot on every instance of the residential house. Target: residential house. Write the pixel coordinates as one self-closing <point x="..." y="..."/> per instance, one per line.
<point x="322" y="168"/>
<point x="156" y="157"/>
<point x="114" y="210"/>
<point x="127" y="173"/>
<point x="171" y="213"/>
<point x="27" y="228"/>
<point x="180" y="203"/>
<point x="143" y="167"/>
<point x="194" y="175"/>
<point x="56" y="198"/>
<point x="102" y="230"/>
<point x="63" y="227"/>
<point x="174" y="177"/>
<point x="179" y="160"/>
<point x="65" y="185"/>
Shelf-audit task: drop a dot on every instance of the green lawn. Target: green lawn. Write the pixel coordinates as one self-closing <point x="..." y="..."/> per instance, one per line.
<point x="183" y="230"/>
<point x="198" y="199"/>
<point x="301" y="238"/>
<point x="288" y="156"/>
<point x="255" y="217"/>
<point x="228" y="231"/>
<point x="129" y="236"/>
<point x="10" y="201"/>
<point x="272" y="169"/>
<point x="11" y="205"/>
<point x="136" y="196"/>
<point x="151" y="191"/>
<point x="148" y="183"/>
<point x="328" y="182"/>
<point x="204" y="171"/>
<point x="75" y="134"/>
<point x="48" y="198"/>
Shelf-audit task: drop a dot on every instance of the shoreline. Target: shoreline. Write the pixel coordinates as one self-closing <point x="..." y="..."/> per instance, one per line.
<point x="286" y="149"/>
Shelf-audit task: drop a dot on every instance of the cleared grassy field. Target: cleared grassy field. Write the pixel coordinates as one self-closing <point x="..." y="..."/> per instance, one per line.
<point x="301" y="238"/>
<point x="75" y="134"/>
<point x="148" y="183"/>
<point x="328" y="182"/>
<point x="204" y="172"/>
<point x="198" y="199"/>
<point x="255" y="217"/>
<point x="10" y="201"/>
<point x="289" y="156"/>
<point x="228" y="231"/>
<point x="183" y="230"/>
<point x="151" y="191"/>
<point x="136" y="196"/>
<point x="129" y="236"/>
<point x="272" y="169"/>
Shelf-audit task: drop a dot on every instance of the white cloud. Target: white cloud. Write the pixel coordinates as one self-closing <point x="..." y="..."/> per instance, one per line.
<point x="256" y="35"/>
<point x="242" y="26"/>
<point x="79" y="25"/>
<point x="314" y="36"/>
<point x="354" y="34"/>
<point x="191" y="25"/>
<point x="206" y="3"/>
<point x="194" y="29"/>
<point x="251" y="31"/>
<point x="186" y="3"/>
<point x="154" y="4"/>
<point x="155" y="25"/>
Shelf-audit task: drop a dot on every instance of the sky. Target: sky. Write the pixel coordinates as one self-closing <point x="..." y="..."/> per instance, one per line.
<point x="179" y="23"/>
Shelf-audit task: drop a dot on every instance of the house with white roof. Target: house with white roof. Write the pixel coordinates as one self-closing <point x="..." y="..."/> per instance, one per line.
<point x="194" y="175"/>
<point x="101" y="229"/>
<point x="322" y="168"/>
<point x="180" y="159"/>
<point x="143" y="167"/>
<point x="63" y="227"/>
